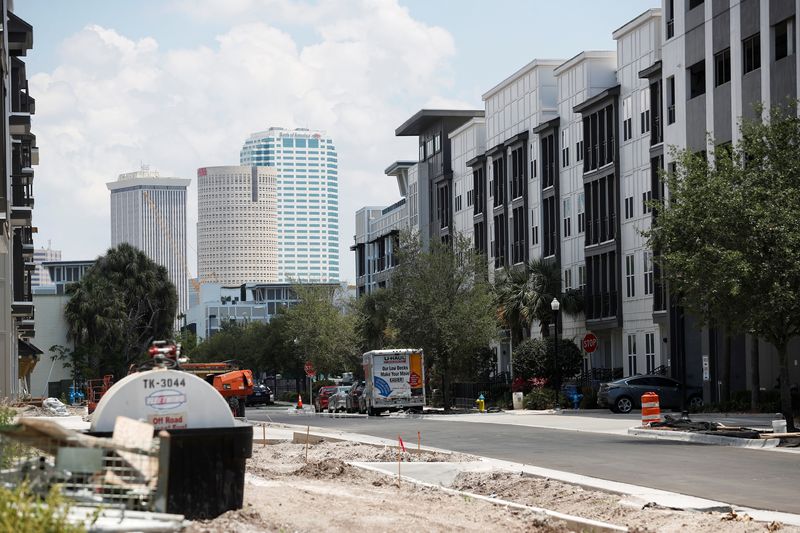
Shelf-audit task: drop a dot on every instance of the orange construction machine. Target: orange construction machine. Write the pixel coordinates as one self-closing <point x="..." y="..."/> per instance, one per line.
<point x="233" y="382"/>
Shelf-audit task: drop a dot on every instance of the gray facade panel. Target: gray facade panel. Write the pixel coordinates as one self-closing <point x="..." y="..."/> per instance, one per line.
<point x="780" y="10"/>
<point x="694" y="17"/>
<point x="696" y="123"/>
<point x="695" y="45"/>
<point x="750" y="18"/>
<point x="722" y="113"/>
<point x="720" y="6"/>
<point x="751" y="93"/>
<point x="783" y="80"/>
<point x="721" y="31"/>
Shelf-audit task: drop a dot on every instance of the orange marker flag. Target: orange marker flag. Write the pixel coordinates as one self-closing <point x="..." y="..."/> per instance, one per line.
<point x="402" y="446"/>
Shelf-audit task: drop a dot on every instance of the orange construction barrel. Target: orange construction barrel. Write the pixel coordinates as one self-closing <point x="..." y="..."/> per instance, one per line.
<point x="651" y="412"/>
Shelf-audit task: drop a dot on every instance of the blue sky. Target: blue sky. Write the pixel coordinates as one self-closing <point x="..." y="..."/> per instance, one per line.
<point x="180" y="84"/>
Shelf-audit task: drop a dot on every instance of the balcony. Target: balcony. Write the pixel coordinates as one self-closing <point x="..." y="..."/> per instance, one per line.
<point x="20" y="35"/>
<point x="19" y="124"/>
<point x="22" y="309"/>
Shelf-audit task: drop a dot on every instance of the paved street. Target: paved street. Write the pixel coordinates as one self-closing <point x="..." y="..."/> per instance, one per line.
<point x="756" y="478"/>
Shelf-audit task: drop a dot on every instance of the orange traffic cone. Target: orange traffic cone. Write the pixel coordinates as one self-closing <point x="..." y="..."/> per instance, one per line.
<point x="299" y="401"/>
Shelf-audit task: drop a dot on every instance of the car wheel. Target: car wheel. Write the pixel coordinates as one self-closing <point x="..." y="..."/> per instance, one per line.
<point x="623" y="404"/>
<point x="695" y="402"/>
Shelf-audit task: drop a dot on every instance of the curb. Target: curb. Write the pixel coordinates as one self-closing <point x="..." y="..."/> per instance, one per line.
<point x="703" y="438"/>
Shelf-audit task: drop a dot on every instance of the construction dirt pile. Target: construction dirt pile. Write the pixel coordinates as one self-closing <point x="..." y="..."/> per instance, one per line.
<point x="604" y="506"/>
<point x="283" y="492"/>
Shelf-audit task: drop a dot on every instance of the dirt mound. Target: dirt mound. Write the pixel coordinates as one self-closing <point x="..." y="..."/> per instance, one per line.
<point x="246" y="520"/>
<point x="325" y="469"/>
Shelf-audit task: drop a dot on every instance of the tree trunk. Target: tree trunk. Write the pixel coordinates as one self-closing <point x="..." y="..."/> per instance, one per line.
<point x="755" y="377"/>
<point x="725" y="371"/>
<point x="786" y="397"/>
<point x="445" y="383"/>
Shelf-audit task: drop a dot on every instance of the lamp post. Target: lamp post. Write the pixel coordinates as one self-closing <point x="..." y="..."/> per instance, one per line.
<point x="555" y="305"/>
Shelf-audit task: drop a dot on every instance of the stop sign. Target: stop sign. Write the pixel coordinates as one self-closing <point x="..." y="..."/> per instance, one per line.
<point x="309" y="368"/>
<point x="589" y="342"/>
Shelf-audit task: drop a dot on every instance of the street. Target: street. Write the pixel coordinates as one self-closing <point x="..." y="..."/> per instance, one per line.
<point x="755" y="478"/>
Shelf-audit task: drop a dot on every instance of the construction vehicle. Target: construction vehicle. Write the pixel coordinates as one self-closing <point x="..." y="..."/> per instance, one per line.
<point x="232" y="381"/>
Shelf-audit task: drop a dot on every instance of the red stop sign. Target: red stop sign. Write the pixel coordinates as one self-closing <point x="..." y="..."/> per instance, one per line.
<point x="589" y="342"/>
<point x="309" y="368"/>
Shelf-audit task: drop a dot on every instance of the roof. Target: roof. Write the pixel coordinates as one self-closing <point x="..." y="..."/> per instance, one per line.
<point x="423" y="119"/>
<point x="397" y="166"/>
<point x="629" y="26"/>
<point x="583" y="56"/>
<point x="527" y="68"/>
<point x="595" y="99"/>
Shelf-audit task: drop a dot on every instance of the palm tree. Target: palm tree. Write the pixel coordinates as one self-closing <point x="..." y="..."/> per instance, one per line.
<point x="524" y="294"/>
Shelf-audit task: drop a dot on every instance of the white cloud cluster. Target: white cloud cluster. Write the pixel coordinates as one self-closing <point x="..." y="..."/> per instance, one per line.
<point x="114" y="102"/>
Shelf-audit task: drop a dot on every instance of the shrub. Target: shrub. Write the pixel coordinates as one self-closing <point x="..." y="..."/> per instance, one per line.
<point x="289" y="396"/>
<point x="25" y="512"/>
<point x="536" y="358"/>
<point x="589" y="400"/>
<point x="539" y="399"/>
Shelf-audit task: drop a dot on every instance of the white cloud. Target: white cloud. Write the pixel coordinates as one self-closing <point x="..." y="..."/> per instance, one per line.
<point x="114" y="102"/>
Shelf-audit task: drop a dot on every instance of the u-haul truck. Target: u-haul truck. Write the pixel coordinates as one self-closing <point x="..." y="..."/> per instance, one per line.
<point x="394" y="380"/>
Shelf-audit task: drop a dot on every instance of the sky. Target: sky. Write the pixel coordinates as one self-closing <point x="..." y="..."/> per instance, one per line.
<point x="180" y="84"/>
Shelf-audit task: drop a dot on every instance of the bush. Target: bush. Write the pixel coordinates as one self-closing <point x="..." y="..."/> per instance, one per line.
<point x="539" y="399"/>
<point x="289" y="396"/>
<point x="589" y="400"/>
<point x="25" y="512"/>
<point x="536" y="358"/>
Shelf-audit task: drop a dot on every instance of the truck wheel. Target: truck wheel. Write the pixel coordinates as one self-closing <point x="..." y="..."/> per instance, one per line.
<point x="371" y="411"/>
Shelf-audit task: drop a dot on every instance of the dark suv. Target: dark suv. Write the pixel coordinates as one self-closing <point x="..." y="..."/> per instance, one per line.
<point x="623" y="395"/>
<point x="351" y="402"/>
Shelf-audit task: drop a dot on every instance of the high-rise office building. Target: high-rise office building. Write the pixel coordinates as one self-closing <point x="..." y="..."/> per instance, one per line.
<point x="236" y="225"/>
<point x="308" y="200"/>
<point x="41" y="275"/>
<point x="149" y="212"/>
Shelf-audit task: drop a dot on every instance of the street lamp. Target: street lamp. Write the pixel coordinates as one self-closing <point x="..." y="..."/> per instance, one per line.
<point x="555" y="305"/>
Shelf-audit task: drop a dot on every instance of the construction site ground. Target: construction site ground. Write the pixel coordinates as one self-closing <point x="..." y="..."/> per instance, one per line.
<point x="286" y="492"/>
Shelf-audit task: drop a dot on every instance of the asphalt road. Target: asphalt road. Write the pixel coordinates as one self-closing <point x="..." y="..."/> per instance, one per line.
<point x="755" y="478"/>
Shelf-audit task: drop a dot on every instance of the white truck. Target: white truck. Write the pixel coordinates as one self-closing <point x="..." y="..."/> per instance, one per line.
<point x="394" y="380"/>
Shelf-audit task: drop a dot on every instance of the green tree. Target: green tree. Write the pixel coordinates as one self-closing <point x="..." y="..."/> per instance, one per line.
<point x="728" y="238"/>
<point x="322" y="333"/>
<point x="535" y="358"/>
<point x="523" y="294"/>
<point x="123" y="303"/>
<point x="442" y="303"/>
<point x="372" y="326"/>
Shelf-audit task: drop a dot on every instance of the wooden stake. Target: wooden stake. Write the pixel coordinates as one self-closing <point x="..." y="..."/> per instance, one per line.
<point x="419" y="442"/>
<point x="399" y="459"/>
<point x="308" y="429"/>
<point x="264" y="435"/>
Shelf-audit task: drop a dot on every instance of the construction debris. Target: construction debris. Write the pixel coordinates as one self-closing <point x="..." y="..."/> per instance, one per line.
<point x="54" y="407"/>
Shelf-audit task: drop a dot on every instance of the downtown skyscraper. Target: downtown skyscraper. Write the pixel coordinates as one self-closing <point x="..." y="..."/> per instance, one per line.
<point x="307" y="200"/>
<point x="149" y="212"/>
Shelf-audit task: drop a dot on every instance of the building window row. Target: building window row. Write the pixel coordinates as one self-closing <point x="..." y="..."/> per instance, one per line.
<point x="598" y="132"/>
<point x="601" y="286"/>
<point x="601" y="210"/>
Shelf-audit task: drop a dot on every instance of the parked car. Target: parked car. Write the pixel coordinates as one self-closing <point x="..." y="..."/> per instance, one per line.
<point x="351" y="401"/>
<point x="623" y="395"/>
<point x="261" y="395"/>
<point x="338" y="400"/>
<point x="321" y="401"/>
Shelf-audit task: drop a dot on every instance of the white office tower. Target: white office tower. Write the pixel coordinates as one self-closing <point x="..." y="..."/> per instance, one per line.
<point x="149" y="212"/>
<point x="237" y="228"/>
<point x="41" y="276"/>
<point x="308" y="200"/>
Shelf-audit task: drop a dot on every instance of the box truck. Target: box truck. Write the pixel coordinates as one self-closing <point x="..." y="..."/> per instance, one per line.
<point x="394" y="380"/>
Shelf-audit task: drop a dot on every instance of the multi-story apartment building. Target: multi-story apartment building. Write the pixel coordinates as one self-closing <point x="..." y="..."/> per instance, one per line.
<point x="18" y="156"/>
<point x="567" y="161"/>
<point x="377" y="235"/>
<point x="237" y="230"/>
<point x="307" y="181"/>
<point x="41" y="276"/>
<point x="148" y="211"/>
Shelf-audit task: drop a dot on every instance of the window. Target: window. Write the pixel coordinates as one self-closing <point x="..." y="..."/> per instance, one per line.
<point x="644" y="113"/>
<point x="567" y="214"/>
<point x="518" y="244"/>
<point x="437" y="143"/>
<point x="581" y="212"/>
<point x="630" y="279"/>
<point x="722" y="67"/>
<point x="567" y="279"/>
<point x="458" y="203"/>
<point x="499" y="181"/>
<point x="650" y="351"/>
<point x="549" y="155"/>
<point x="581" y="276"/>
<point x="671" y="100"/>
<point x="564" y="148"/>
<point x="647" y="197"/>
<point x="627" y="130"/>
<point x="518" y="181"/>
<point x="632" y="355"/>
<point x="479" y="236"/>
<point x="783" y="33"/>
<point x="550" y="223"/>
<point x="479" y="189"/>
<point x="422" y="152"/>
<point x="751" y="53"/>
<point x="579" y="151"/>
<point x="499" y="245"/>
<point x="648" y="272"/>
<point x="695" y="3"/>
<point x="598" y="133"/>
<point x="628" y="207"/>
<point x="601" y="210"/>
<point x="697" y="79"/>
<point x="429" y="147"/>
<point x="470" y="198"/>
<point x="670" y="18"/>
